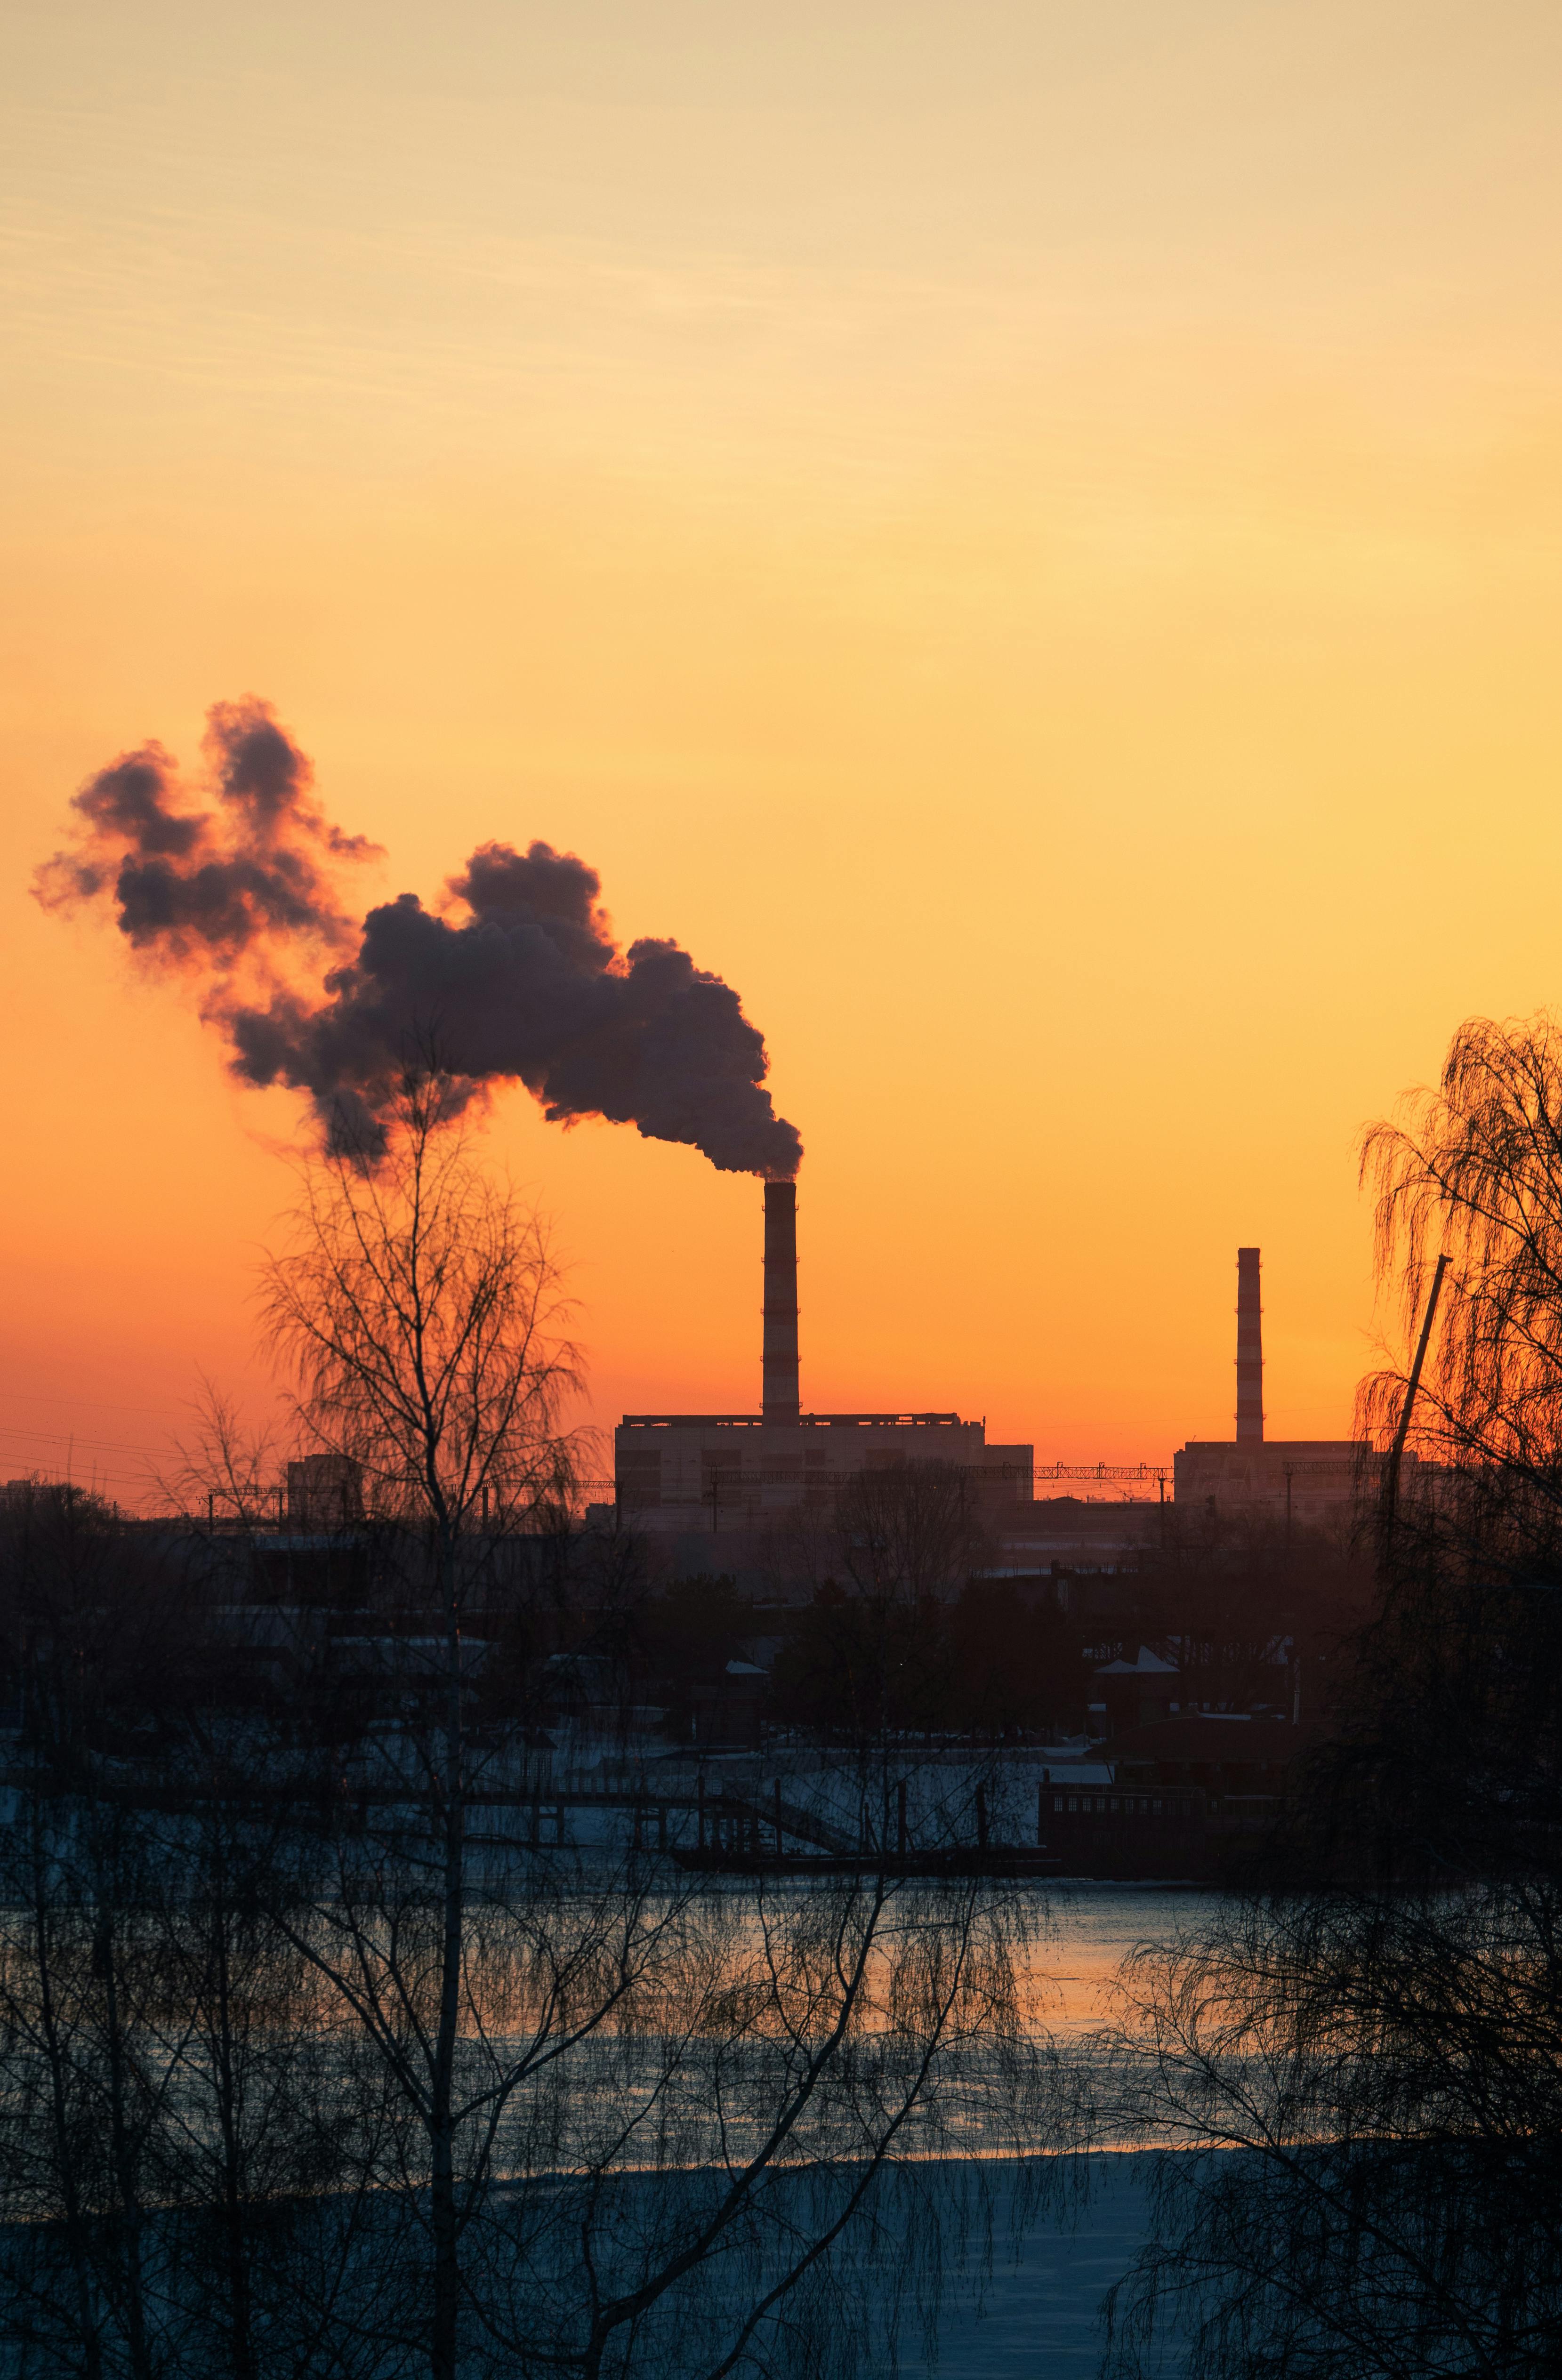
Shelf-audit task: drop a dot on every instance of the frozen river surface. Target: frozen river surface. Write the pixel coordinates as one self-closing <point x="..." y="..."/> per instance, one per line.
<point x="1041" y="2309"/>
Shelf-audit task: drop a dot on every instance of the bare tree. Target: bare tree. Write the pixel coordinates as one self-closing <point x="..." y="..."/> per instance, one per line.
<point x="1473" y="1170"/>
<point x="909" y="1529"/>
<point x="1363" y="2090"/>
<point x="314" y="2059"/>
<point x="1363" y="2051"/>
<point x="222" y="1467"/>
<point x="422" y="1312"/>
<point x="557" y="2028"/>
<point x="174" y="2122"/>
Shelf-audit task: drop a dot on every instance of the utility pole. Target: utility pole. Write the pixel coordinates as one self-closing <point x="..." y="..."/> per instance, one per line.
<point x="1391" y="1467"/>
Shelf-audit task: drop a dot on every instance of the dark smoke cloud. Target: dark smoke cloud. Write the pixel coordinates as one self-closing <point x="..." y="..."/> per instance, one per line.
<point x="208" y="889"/>
<point x="528" y="984"/>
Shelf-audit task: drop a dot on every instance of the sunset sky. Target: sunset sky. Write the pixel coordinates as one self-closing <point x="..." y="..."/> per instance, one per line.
<point x="1028" y="537"/>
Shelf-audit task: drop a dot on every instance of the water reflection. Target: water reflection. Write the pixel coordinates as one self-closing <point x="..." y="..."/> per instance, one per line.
<point x="1076" y="1966"/>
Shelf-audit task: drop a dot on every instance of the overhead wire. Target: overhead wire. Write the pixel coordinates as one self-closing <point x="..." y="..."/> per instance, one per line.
<point x="76" y="1437"/>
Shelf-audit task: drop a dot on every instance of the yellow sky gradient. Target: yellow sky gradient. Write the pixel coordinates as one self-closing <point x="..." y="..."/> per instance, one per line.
<point x="1029" y="537"/>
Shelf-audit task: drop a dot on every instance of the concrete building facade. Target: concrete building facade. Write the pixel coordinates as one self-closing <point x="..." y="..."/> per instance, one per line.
<point x="673" y="1472"/>
<point x="1307" y="1479"/>
<point x="669" y="1468"/>
<point x="1312" y="1480"/>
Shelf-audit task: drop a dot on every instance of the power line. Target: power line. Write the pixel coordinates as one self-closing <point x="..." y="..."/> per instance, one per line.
<point x="64" y="1397"/>
<point x="75" y="1437"/>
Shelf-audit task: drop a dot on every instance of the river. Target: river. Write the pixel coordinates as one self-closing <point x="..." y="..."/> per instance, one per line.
<point x="1038" y="2315"/>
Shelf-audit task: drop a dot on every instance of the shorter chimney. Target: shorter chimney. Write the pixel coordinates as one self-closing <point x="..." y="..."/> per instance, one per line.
<point x="1250" y="1351"/>
<point x="779" y="1402"/>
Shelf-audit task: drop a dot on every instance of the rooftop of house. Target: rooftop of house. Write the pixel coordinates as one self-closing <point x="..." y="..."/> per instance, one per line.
<point x="1145" y="1664"/>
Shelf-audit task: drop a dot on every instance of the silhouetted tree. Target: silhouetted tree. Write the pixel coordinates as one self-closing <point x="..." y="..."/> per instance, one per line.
<point x="909" y="1530"/>
<point x="1473" y="1171"/>
<point x="550" y="2025"/>
<point x="857" y="1669"/>
<point x="1016" y="1664"/>
<point x="162" y="2117"/>
<point x="314" y="2059"/>
<point x="1373" y="2040"/>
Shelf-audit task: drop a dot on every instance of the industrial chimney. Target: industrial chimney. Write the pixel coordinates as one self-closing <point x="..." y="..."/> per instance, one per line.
<point x="1250" y="1351"/>
<point x="779" y="1403"/>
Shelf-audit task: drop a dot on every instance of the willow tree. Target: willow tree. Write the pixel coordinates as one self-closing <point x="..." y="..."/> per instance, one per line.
<point x="1473" y="1168"/>
<point x="1368" y="2047"/>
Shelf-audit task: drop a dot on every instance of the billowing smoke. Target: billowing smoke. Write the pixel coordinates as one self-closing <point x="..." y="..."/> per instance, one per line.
<point x="520" y="979"/>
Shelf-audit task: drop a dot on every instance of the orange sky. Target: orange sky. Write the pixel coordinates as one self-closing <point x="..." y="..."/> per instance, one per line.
<point x="1027" y="536"/>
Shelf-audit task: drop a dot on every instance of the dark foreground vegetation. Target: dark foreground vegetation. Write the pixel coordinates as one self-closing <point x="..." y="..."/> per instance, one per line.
<point x="314" y="2058"/>
<point x="1364" y="2051"/>
<point x="317" y="2056"/>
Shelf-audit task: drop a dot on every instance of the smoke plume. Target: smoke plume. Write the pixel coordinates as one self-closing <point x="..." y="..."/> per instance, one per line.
<point x="519" y="979"/>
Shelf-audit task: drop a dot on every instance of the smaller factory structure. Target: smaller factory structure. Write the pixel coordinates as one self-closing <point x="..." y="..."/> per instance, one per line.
<point x="1299" y="1480"/>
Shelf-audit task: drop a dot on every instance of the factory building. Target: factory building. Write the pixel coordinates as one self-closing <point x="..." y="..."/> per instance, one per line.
<point x="674" y="1474"/>
<point x="1314" y="1480"/>
<point x="673" y="1471"/>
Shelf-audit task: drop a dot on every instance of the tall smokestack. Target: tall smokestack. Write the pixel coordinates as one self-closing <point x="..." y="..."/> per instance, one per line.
<point x="1250" y="1351"/>
<point x="779" y="1402"/>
